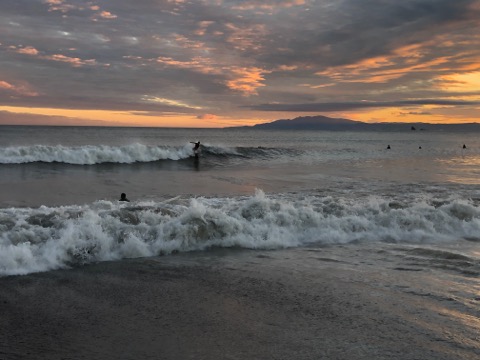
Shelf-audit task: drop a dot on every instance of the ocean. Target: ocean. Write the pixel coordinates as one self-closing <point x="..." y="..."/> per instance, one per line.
<point x="253" y="189"/>
<point x="269" y="244"/>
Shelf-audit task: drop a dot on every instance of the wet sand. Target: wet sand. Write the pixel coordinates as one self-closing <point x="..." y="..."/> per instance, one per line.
<point x="312" y="303"/>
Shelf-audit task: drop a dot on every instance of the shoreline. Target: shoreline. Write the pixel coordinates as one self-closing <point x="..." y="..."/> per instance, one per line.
<point x="302" y="303"/>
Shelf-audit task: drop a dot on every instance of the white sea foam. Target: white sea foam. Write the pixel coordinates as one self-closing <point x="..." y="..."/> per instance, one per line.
<point x="92" y="154"/>
<point x="45" y="238"/>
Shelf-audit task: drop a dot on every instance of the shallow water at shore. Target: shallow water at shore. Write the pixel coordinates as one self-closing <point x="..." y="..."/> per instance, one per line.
<point x="352" y="301"/>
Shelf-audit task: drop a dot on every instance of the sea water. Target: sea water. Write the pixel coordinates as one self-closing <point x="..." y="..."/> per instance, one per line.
<point x="253" y="189"/>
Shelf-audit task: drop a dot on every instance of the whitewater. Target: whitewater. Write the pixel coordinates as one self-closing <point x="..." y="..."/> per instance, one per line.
<point x="90" y="154"/>
<point x="48" y="238"/>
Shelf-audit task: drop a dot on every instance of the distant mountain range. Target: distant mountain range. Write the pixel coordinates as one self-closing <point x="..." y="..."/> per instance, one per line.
<point x="320" y="122"/>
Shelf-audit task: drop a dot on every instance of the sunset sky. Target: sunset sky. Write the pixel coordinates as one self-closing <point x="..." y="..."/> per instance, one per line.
<point x="219" y="63"/>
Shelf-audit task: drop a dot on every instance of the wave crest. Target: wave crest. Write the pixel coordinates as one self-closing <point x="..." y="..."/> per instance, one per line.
<point x="127" y="154"/>
<point x="91" y="154"/>
<point x="33" y="240"/>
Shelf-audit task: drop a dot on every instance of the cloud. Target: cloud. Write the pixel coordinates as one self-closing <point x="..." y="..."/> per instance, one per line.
<point x="421" y="113"/>
<point x="28" y="50"/>
<point x="170" y="102"/>
<point x="103" y="15"/>
<point x="70" y="60"/>
<point x="74" y="61"/>
<point x="246" y="80"/>
<point x="345" y="106"/>
<point x="23" y="89"/>
<point x="59" y="5"/>
<point x="67" y="6"/>
<point x="267" y="4"/>
<point x="207" y="117"/>
<point x="225" y="56"/>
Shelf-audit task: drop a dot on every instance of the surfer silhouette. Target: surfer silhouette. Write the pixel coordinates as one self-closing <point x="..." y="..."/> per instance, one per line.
<point x="464" y="146"/>
<point x="123" y="197"/>
<point x="388" y="147"/>
<point x="196" y="147"/>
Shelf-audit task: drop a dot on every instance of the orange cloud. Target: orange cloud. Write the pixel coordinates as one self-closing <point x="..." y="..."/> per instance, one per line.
<point x="62" y="6"/>
<point x="5" y="85"/>
<point x="107" y="15"/>
<point x="20" y="89"/>
<point x="400" y="62"/>
<point x="103" y="15"/>
<point x="58" y="5"/>
<point x="243" y="79"/>
<point x="464" y="82"/>
<point x="76" y="62"/>
<point x="246" y="80"/>
<point x="28" y="50"/>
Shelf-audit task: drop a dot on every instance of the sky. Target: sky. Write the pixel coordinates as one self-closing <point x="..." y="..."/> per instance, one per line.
<point x="221" y="63"/>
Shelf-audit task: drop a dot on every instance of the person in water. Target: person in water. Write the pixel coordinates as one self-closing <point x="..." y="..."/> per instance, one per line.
<point x="123" y="197"/>
<point x="197" y="145"/>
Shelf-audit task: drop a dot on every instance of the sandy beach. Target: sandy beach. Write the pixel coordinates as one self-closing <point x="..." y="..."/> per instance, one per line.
<point x="306" y="303"/>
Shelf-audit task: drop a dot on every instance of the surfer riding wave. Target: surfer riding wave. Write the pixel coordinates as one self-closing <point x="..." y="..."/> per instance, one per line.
<point x="196" y="148"/>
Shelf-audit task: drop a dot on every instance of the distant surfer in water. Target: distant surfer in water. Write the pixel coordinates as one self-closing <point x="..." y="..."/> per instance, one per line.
<point x="196" y="147"/>
<point x="123" y="197"/>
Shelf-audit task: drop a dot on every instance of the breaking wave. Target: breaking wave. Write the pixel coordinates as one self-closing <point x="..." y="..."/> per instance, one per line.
<point x="91" y="154"/>
<point x="46" y="238"/>
<point x="127" y="154"/>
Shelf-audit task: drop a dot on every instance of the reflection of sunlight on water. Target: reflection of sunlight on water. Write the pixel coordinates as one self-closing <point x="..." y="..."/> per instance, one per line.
<point x="443" y="311"/>
<point x="457" y="303"/>
<point x="463" y="170"/>
<point x="468" y="321"/>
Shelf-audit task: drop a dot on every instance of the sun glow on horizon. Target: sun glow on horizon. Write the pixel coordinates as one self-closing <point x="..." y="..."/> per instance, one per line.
<point x="461" y="82"/>
<point x="110" y="118"/>
<point x="434" y="114"/>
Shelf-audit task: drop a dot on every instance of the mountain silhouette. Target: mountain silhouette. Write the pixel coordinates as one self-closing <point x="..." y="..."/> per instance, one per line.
<point x="320" y="122"/>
